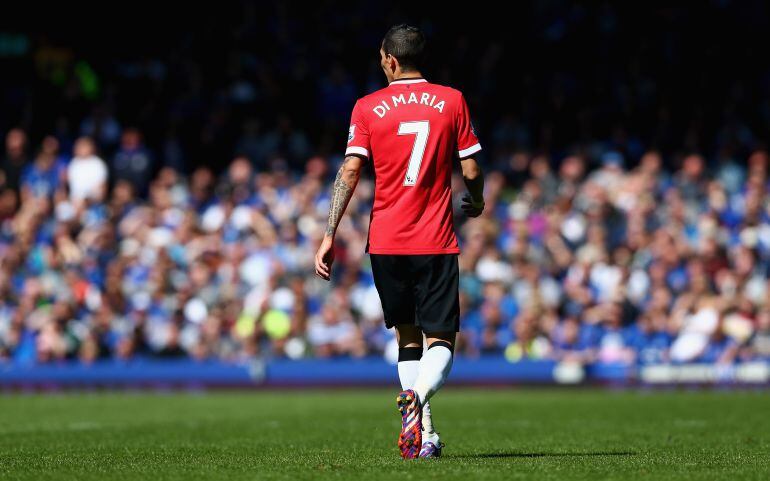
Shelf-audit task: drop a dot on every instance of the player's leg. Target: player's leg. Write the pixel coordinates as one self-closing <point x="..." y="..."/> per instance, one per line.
<point x="438" y="315"/>
<point x="396" y="291"/>
<point x="410" y="351"/>
<point x="435" y="365"/>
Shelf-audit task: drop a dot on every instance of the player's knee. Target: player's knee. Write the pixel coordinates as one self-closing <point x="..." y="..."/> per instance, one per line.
<point x="408" y="336"/>
<point x="446" y="339"/>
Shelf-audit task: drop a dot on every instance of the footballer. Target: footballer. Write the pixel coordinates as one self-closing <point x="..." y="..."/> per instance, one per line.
<point x="411" y="132"/>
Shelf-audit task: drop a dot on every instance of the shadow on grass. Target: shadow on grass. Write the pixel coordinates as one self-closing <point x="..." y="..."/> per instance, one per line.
<point x="543" y="455"/>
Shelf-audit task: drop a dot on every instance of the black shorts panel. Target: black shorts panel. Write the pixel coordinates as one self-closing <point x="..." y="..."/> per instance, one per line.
<point x="420" y="290"/>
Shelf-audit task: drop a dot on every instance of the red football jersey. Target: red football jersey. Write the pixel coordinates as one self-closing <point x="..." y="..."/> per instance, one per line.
<point x="412" y="131"/>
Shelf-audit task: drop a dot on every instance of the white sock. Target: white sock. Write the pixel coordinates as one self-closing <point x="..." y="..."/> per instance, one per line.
<point x="407" y="375"/>
<point x="434" y="369"/>
<point x="427" y="421"/>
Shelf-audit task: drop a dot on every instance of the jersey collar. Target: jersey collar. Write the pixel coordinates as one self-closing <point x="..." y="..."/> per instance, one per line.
<point x="405" y="81"/>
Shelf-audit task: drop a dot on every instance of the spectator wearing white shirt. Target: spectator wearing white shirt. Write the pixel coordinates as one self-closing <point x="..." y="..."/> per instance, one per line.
<point x="87" y="173"/>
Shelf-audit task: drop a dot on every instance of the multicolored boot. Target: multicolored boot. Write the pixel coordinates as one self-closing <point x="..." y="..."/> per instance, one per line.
<point x="431" y="446"/>
<point x="410" y="439"/>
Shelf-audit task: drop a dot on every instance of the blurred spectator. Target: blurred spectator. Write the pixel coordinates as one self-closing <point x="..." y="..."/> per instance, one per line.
<point x="46" y="175"/>
<point x="87" y="173"/>
<point x="15" y="158"/>
<point x="133" y="162"/>
<point x="332" y="333"/>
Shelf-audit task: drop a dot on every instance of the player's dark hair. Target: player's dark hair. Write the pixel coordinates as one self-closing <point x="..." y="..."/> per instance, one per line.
<point x="407" y="44"/>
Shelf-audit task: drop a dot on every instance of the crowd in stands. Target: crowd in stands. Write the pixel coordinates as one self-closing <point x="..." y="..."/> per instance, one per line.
<point x="609" y="264"/>
<point x="169" y="203"/>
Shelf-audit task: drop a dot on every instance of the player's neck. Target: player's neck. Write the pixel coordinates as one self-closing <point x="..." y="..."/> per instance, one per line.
<point x="411" y="75"/>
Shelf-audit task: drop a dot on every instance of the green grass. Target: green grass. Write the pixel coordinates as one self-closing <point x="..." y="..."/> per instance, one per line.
<point x="350" y="434"/>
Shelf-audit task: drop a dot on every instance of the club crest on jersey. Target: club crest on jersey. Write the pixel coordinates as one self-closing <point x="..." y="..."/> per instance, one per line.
<point x="351" y="133"/>
<point x="396" y="100"/>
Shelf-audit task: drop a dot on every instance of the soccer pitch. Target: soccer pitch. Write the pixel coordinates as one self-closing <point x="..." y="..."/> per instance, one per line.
<point x="351" y="434"/>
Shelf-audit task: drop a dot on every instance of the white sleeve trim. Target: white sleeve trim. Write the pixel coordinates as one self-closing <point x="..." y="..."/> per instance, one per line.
<point x="469" y="151"/>
<point x="357" y="150"/>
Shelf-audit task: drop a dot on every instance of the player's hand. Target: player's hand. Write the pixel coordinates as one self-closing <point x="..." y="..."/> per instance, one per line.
<point x="324" y="258"/>
<point x="470" y="207"/>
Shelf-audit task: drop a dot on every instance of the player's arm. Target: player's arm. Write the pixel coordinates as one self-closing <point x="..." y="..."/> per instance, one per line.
<point x="468" y="146"/>
<point x="473" y="201"/>
<point x="342" y="191"/>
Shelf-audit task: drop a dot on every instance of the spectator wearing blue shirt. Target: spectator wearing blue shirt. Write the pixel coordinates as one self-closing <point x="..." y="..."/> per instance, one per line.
<point x="648" y="338"/>
<point x="721" y="349"/>
<point x="45" y="176"/>
<point x="573" y="342"/>
<point x="133" y="161"/>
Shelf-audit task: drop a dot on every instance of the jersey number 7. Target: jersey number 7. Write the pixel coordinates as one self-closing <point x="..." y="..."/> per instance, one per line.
<point x="421" y="129"/>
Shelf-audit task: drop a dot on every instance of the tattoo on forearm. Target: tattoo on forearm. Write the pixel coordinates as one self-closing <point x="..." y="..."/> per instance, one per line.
<point x="341" y="194"/>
